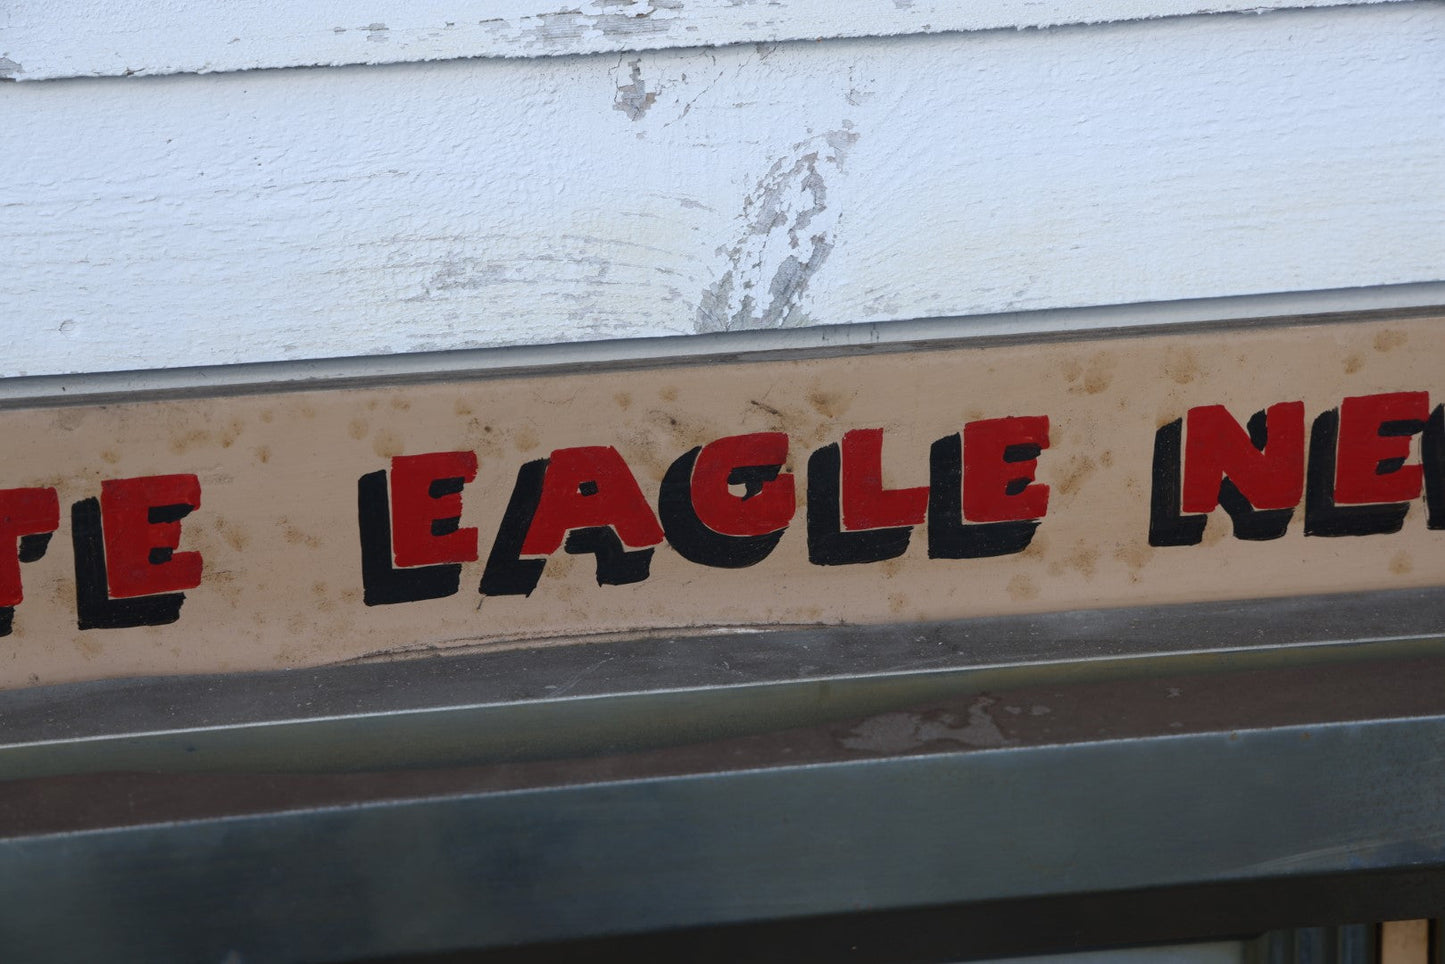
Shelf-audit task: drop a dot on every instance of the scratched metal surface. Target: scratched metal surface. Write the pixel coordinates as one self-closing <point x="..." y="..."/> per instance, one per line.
<point x="204" y="772"/>
<point x="811" y="781"/>
<point x="1327" y="625"/>
<point x="771" y="845"/>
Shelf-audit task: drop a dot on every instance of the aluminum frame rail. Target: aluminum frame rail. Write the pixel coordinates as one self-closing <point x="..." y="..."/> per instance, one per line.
<point x="1011" y="785"/>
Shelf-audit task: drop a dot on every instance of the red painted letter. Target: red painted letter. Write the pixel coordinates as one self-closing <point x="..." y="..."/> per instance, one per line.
<point x="426" y="504"/>
<point x="766" y="506"/>
<point x="1375" y="435"/>
<point x="585" y="487"/>
<point x="23" y="512"/>
<point x="141" y="525"/>
<point x="1000" y="457"/>
<point x="866" y="504"/>
<point x="1216" y="446"/>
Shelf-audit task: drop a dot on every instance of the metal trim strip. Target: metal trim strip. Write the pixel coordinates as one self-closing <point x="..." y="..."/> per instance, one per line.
<point x="1317" y="307"/>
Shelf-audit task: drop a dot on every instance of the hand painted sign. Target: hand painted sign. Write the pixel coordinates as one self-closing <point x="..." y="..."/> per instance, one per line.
<point x="304" y="527"/>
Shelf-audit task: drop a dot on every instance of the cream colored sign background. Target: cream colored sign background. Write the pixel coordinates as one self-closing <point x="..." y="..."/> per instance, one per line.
<point x="278" y="529"/>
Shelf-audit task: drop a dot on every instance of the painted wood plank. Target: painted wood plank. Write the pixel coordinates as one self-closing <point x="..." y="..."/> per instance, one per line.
<point x="45" y="39"/>
<point x="303" y="214"/>
<point x="303" y="527"/>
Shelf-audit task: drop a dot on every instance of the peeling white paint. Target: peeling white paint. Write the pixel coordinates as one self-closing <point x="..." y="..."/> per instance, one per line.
<point x="633" y="98"/>
<point x="306" y="214"/>
<point x="787" y="231"/>
<point x="93" y="38"/>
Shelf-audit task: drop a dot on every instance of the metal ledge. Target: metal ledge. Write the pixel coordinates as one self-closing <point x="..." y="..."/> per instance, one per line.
<point x="802" y="783"/>
<point x="1223" y="313"/>
<point x="790" y="842"/>
<point x="1037" y="646"/>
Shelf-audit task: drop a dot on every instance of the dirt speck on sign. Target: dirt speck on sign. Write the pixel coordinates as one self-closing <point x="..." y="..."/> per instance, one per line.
<point x="1181" y="365"/>
<point x="1076" y="470"/>
<point x="1135" y="555"/>
<point x="1091" y="377"/>
<point x="1082" y="558"/>
<point x="829" y="404"/>
<point x="387" y="444"/>
<point x="525" y="438"/>
<point x="1021" y="587"/>
<point x="297" y="537"/>
<point x="231" y="432"/>
<point x="185" y="441"/>
<point x="235" y="536"/>
<point x="1389" y="338"/>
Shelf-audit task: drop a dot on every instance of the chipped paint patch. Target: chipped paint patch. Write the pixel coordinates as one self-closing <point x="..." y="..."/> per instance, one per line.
<point x="586" y="25"/>
<point x="633" y="99"/>
<point x="787" y="232"/>
<point x="9" y="69"/>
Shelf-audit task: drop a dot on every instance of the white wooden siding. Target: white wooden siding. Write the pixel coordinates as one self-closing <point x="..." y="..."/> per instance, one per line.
<point x="278" y="214"/>
<point x="45" y="39"/>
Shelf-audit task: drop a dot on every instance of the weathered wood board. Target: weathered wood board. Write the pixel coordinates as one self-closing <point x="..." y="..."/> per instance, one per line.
<point x="80" y="38"/>
<point x="299" y="528"/>
<point x="300" y="214"/>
